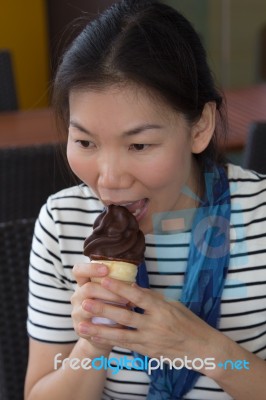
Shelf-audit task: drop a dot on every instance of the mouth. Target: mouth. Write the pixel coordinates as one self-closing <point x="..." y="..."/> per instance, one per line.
<point x="137" y="208"/>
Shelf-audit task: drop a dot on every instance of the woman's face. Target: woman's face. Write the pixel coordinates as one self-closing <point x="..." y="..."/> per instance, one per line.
<point x="132" y="150"/>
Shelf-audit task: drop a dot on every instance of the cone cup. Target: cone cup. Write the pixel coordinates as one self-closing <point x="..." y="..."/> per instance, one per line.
<point x="121" y="270"/>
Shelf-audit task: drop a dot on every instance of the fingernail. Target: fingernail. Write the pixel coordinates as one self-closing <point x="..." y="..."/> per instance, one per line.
<point x="106" y="282"/>
<point x="102" y="269"/>
<point x="96" y="339"/>
<point x="86" y="330"/>
<point x="87" y="306"/>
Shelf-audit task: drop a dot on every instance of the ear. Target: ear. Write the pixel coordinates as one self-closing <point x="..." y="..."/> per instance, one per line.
<point x="203" y="130"/>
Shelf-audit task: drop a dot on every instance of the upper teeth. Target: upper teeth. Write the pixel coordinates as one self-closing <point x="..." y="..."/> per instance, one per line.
<point x="138" y="210"/>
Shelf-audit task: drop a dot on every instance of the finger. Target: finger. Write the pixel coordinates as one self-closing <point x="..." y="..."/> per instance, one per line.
<point x="120" y="315"/>
<point x="91" y="290"/>
<point x="79" y="313"/>
<point x="84" y="272"/>
<point x="79" y="316"/>
<point x="135" y="294"/>
<point x="115" y="336"/>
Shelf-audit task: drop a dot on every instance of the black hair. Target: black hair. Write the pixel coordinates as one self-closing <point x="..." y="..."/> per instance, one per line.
<point x="147" y="43"/>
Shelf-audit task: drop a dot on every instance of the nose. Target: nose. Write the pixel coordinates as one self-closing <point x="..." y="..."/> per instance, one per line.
<point x="114" y="173"/>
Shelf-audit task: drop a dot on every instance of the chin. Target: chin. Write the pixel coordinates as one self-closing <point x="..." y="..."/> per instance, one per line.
<point x="146" y="226"/>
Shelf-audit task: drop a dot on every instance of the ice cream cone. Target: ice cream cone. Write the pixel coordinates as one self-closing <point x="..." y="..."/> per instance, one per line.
<point x="118" y="243"/>
<point x="121" y="270"/>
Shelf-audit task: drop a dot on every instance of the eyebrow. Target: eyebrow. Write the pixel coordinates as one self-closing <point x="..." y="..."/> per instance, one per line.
<point x="130" y="132"/>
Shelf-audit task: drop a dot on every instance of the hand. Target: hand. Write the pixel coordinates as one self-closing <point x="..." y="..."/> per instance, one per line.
<point x="167" y="328"/>
<point x="85" y="290"/>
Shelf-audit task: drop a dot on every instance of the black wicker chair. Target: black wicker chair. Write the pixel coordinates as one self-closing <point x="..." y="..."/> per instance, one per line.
<point x="15" y="243"/>
<point x="28" y="175"/>
<point x="8" y="92"/>
<point x="254" y="157"/>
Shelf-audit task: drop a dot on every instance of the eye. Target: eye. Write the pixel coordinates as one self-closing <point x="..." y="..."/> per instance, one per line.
<point x="85" y="143"/>
<point x="139" y="146"/>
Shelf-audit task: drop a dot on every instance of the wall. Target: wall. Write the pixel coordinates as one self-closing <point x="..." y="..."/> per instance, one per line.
<point x="245" y="24"/>
<point x="196" y="11"/>
<point x="61" y="13"/>
<point x="24" y="32"/>
<point x="236" y="62"/>
<point x="250" y="17"/>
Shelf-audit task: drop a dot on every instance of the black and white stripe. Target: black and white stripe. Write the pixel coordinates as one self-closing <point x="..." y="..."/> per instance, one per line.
<point x="67" y="219"/>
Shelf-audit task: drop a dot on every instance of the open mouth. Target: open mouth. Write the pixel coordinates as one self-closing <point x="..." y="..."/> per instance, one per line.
<point x="137" y="208"/>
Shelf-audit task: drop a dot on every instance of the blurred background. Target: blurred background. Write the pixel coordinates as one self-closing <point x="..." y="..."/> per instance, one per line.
<point x="33" y="34"/>
<point x="32" y="31"/>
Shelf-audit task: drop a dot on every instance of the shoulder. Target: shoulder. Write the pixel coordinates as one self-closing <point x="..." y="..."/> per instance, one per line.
<point x="79" y="199"/>
<point x="248" y="215"/>
<point x="245" y="177"/>
<point x="72" y="208"/>
<point x="248" y="203"/>
<point x="248" y="187"/>
<point x="75" y="195"/>
<point x="245" y="285"/>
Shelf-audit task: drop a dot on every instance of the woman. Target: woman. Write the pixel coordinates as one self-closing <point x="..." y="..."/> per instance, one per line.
<point x="136" y="94"/>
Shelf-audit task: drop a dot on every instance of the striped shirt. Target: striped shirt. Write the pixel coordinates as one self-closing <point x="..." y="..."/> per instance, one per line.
<point x="67" y="219"/>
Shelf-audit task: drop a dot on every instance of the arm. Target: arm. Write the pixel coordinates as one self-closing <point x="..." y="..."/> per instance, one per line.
<point x="43" y="381"/>
<point x="179" y="333"/>
<point x="245" y="384"/>
<point x="47" y="378"/>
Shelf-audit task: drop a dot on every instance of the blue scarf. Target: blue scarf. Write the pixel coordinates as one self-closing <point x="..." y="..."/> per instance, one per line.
<point x="208" y="262"/>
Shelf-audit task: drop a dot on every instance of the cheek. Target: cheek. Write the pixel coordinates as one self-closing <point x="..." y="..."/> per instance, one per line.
<point x="172" y="169"/>
<point x="73" y="160"/>
<point x="80" y="166"/>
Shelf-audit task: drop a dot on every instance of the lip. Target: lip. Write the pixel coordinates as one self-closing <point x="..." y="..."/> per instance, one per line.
<point x="137" y="207"/>
<point x="118" y="203"/>
<point x="143" y="210"/>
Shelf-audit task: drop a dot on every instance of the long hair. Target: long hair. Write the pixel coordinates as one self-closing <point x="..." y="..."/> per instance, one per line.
<point x="146" y="43"/>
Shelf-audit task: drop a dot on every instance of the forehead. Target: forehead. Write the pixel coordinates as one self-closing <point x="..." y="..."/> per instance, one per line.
<point x="129" y="99"/>
<point x="122" y="105"/>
